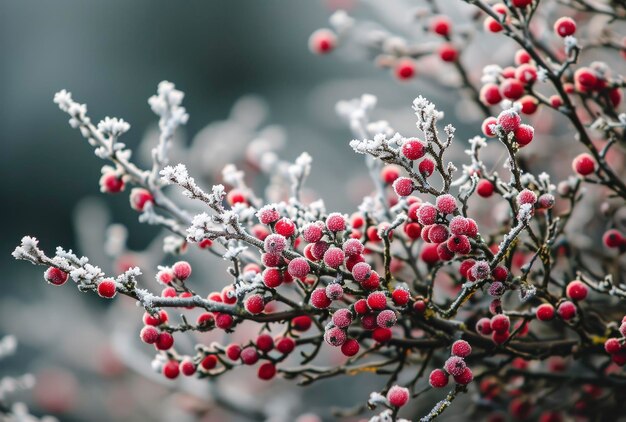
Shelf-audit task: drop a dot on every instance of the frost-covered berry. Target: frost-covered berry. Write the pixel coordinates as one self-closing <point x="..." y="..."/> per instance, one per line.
<point x="156" y="319"/>
<point x="334" y="291"/>
<point x="584" y="164"/>
<point x="576" y="290"/>
<point x="249" y="355"/>
<point x="464" y="377"/>
<point x="361" y="307"/>
<point x="509" y="120"/>
<point x="205" y="320"/>
<point x="405" y="69"/>
<point x="335" y="222"/>
<point x="334" y="257"/>
<point x="335" y="336"/>
<point x="139" y="197"/>
<point x="164" y="342"/>
<point x="403" y="186"/>
<point x="427" y="214"/>
<point x="444" y="253"/>
<point x="187" y="367"/>
<point x="352" y="247"/>
<point x="171" y="369"/>
<point x="319" y="299"/>
<point x="318" y="249"/>
<point x="461" y="348"/>
<point x="458" y="225"/>
<point x="612" y="346"/>
<point x="386" y="319"/>
<point x="275" y="243"/>
<point x="485" y="188"/>
<point x="545" y="312"/>
<point x="401" y="296"/>
<point x="446" y="204"/>
<point x="429" y="254"/>
<point x="342" y="318"/>
<point x="496" y="289"/>
<point x="413" y="149"/>
<point x="149" y="334"/>
<point x="272" y="277"/>
<point x="512" y="89"/>
<point x="455" y="365"/>
<point x="524" y="135"/>
<point x="266" y="371"/>
<point x="181" y="270"/>
<point x="223" y="321"/>
<point x="526" y="196"/>
<point x="298" y="268"/>
<point x="268" y="214"/>
<point x="398" y="396"/>
<point x="426" y="167"/>
<point x="585" y="79"/>
<point x="285" y="227"/>
<point x="565" y="26"/>
<point x="566" y="310"/>
<point x="438" y="378"/>
<point x="313" y="232"/>
<point x="546" y="201"/>
<point x="285" y="345"/>
<point x="255" y="304"/>
<point x="322" y="41"/>
<point x="372" y="282"/>
<point x="361" y="271"/>
<point x="236" y="196"/>
<point x="464" y="268"/>
<point x="526" y="73"/>
<point x="500" y="273"/>
<point x="438" y="233"/>
<point x="500" y="323"/>
<point x="480" y="270"/>
<point x="377" y="301"/>
<point x="55" y="276"/>
<point x="350" y="347"/>
<point x="459" y="244"/>
<point x="483" y="326"/>
<point x="472" y="228"/>
<point x="107" y="288"/>
<point x="490" y="94"/>
<point x="488" y="125"/>
<point x="110" y="182"/>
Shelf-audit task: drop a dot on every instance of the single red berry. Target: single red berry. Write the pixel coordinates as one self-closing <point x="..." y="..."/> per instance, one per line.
<point x="426" y="167"/>
<point x="382" y="335"/>
<point x="267" y="371"/>
<point x="526" y="196"/>
<point x="403" y="186"/>
<point x="419" y="306"/>
<point x="313" y="232"/>
<point x="233" y="351"/>
<point x="319" y="299"/>
<point x="585" y="78"/>
<point x="499" y="338"/>
<point x="389" y="174"/>
<point x="438" y="233"/>
<point x="139" y="197"/>
<point x="264" y="342"/>
<point x="209" y="362"/>
<point x="149" y="334"/>
<point x="223" y="321"/>
<point x="461" y="348"/>
<point x="405" y="69"/>
<point x="427" y="214"/>
<point x="483" y="326"/>
<point x="298" y="268"/>
<point x="441" y="25"/>
<point x="500" y="323"/>
<point x="565" y="26"/>
<point x="334" y="257"/>
<point x="285" y="227"/>
<point x="275" y="243"/>
<point x="613" y="239"/>
<point x="165" y="341"/>
<point x="205" y="320"/>
<point x="448" y="53"/>
<point x="171" y="369"/>
<point x="612" y="346"/>
<point x="55" y="276"/>
<point x="386" y="319"/>
<point x="528" y="104"/>
<point x="336" y="222"/>
<point x="182" y="270"/>
<point x="492" y="25"/>
<point x="545" y="312"/>
<point x="429" y="253"/>
<point x="156" y="319"/>
<point x="249" y="356"/>
<point x="398" y="396"/>
<point x="107" y="288"/>
<point x="521" y="4"/>
<point x="487" y="127"/>
<point x="335" y="336"/>
<point x="490" y="94"/>
<point x="342" y="318"/>
<point x="512" y="89"/>
<point x="110" y="182"/>
<point x="400" y="296"/>
<point x="350" y="347"/>
<point x="352" y="247"/>
<point x="255" y="304"/>
<point x="322" y="41"/>
<point x="524" y="135"/>
<point x="413" y="149"/>
<point x="438" y="378"/>
<point x="285" y="345"/>
<point x="464" y="377"/>
<point x="584" y="164"/>
<point x="509" y="120"/>
<point x="522" y="56"/>
<point x="556" y="101"/>
<point x="377" y="301"/>
<point x="576" y="290"/>
<point x="458" y="225"/>
<point x="567" y="310"/>
<point x="526" y="73"/>
<point x="187" y="367"/>
<point x="446" y="204"/>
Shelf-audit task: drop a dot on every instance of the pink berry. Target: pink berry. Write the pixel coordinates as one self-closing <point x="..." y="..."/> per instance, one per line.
<point x="576" y="290"/>
<point x="483" y="326"/>
<point x="139" y="197"/>
<point x="438" y="233"/>
<point x="446" y="204"/>
<point x="361" y="271"/>
<point x="612" y="346"/>
<point x="386" y="319"/>
<point x="334" y="291"/>
<point x="107" y="288"/>
<point x="403" y="186"/>
<point x="352" y="247"/>
<point x="377" y="301"/>
<point x="461" y="348"/>
<point x="334" y="257"/>
<point x="313" y="232"/>
<point x="298" y="268"/>
<point x="565" y="26"/>
<point x="275" y="243"/>
<point x="458" y="225"/>
<point x="318" y="249"/>
<point x="526" y="196"/>
<point x="509" y="120"/>
<point x="438" y="378"/>
<point x="182" y="270"/>
<point x="335" y="222"/>
<point x="454" y="365"/>
<point x="398" y="396"/>
<point x="427" y="214"/>
<point x="55" y="276"/>
<point x="268" y="214"/>
<point x="249" y="356"/>
<point x="584" y="164"/>
<point x="335" y="336"/>
<point x="171" y="369"/>
<point x="342" y="318"/>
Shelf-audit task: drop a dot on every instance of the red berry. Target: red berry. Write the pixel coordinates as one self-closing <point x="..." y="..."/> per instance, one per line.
<point x="400" y="296"/>
<point x="612" y="346"/>
<point x="255" y="304"/>
<point x="403" y="186"/>
<point x="585" y="78"/>
<point x="500" y="338"/>
<point x="285" y="227"/>
<point x="490" y="94"/>
<point x="249" y="356"/>
<point x="182" y="270"/>
<point x="187" y="367"/>
<point x="55" y="276"/>
<point x="350" y="347"/>
<point x="500" y="323"/>
<point x="398" y="396"/>
<point x="441" y="25"/>
<point x="613" y="239"/>
<point x="509" y="120"/>
<point x="110" y="182"/>
<point x="464" y="377"/>
<point x="386" y="319"/>
<point x="522" y="56"/>
<point x="389" y="174"/>
<point x="438" y="378"/>
<point x="524" y="135"/>
<point x="165" y="341"/>
<point x="461" y="348"/>
<point x="264" y="342"/>
<point x="342" y="318"/>
<point x="107" y="288"/>
<point x="413" y="149"/>
<point x="448" y="53"/>
<point x="233" y="351"/>
<point x="483" y="326"/>
<point x="267" y="371"/>
<point x="405" y="69"/>
<point x="334" y="257"/>
<point x="526" y="73"/>
<point x="285" y="345"/>
<point x="584" y="164"/>
<point x="158" y="319"/>
<point x="377" y="301"/>
<point x="171" y="369"/>
<point x="529" y="104"/>
<point x="492" y="25"/>
<point x="382" y="335"/>
<point x="335" y="222"/>
<point x="149" y="334"/>
<point x="275" y="243"/>
<point x="299" y="267"/>
<point x="487" y="127"/>
<point x="565" y="26"/>
<point x="313" y="232"/>
<point x="209" y="362"/>
<point x="512" y="89"/>
<point x="335" y="336"/>
<point x="302" y="323"/>
<point x="426" y="167"/>
<point x="454" y="365"/>
<point x="139" y="197"/>
<point x="446" y="204"/>
<point x="427" y="214"/>
<point x="322" y="41"/>
<point x="319" y="299"/>
<point x="429" y="253"/>
<point x="223" y="321"/>
<point x="545" y="312"/>
<point x="576" y="290"/>
<point x="567" y="310"/>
